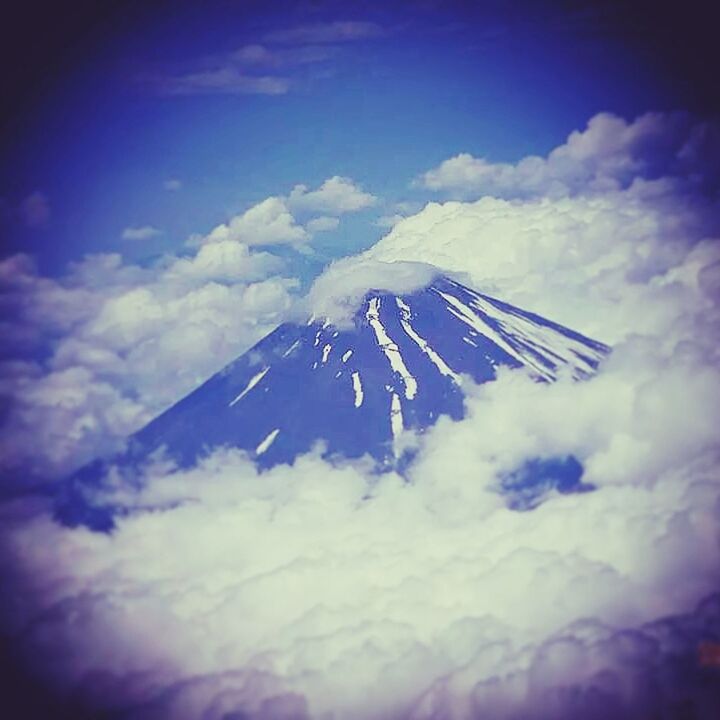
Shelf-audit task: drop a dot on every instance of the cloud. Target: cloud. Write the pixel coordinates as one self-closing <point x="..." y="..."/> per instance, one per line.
<point x="35" y="210"/>
<point x="610" y="240"/>
<point x="322" y="224"/>
<point x="328" y="33"/>
<point x="277" y="64"/>
<point x="339" y="291"/>
<point x="388" y="221"/>
<point x="118" y="343"/>
<point x="224" y="260"/>
<point x="319" y="590"/>
<point x="172" y="184"/>
<point x="252" y="69"/>
<point x="336" y="196"/>
<point x="267" y="223"/>
<point x="223" y="81"/>
<point x="608" y="155"/>
<point x="144" y="232"/>
<point x="272" y="222"/>
<point x="261" y="55"/>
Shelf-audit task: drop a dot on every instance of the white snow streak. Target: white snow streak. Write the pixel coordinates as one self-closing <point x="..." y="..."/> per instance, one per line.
<point x="291" y="348"/>
<point x="253" y="382"/>
<point x="464" y="313"/>
<point x="391" y="350"/>
<point x="544" y="340"/>
<point x="439" y="363"/>
<point x="396" y="416"/>
<point x="267" y="442"/>
<point x="357" y="387"/>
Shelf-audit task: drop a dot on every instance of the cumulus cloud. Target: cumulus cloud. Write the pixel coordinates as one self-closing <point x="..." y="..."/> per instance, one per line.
<point x="118" y="343"/>
<point x="621" y="221"/>
<point x="324" y="590"/>
<point x="273" y="222"/>
<point x="609" y="154"/>
<point x="322" y="224"/>
<point x="555" y="257"/>
<point x="270" y="222"/>
<point x="337" y="195"/>
<point x="320" y="590"/>
<point x="388" y="221"/>
<point x="143" y="232"/>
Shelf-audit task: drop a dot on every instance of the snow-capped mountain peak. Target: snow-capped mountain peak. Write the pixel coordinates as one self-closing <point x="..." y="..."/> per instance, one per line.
<point x="400" y="365"/>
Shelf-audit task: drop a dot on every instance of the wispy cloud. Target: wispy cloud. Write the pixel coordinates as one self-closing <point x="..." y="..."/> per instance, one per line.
<point x="172" y="184"/>
<point x="257" y="55"/>
<point x="35" y="210"/>
<point x="252" y="69"/>
<point x="339" y="31"/>
<point x="145" y="232"/>
<point x="227" y="80"/>
<point x="273" y="65"/>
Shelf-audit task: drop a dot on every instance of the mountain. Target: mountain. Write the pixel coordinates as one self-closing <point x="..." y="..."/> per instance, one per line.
<point x="399" y="366"/>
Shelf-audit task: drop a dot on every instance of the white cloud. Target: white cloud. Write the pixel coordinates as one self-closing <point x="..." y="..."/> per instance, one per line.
<point x="328" y="32"/>
<point x="388" y="221"/>
<point x="121" y="343"/>
<point x="339" y="291"/>
<point x="337" y="195"/>
<point x="172" y="184"/>
<point x="322" y="224"/>
<point x="328" y="591"/>
<point x="603" y="265"/>
<point x="267" y="223"/>
<point x="225" y="261"/>
<point x="272" y="222"/>
<point x="608" y="155"/>
<point x="225" y="80"/>
<point x="143" y="232"/>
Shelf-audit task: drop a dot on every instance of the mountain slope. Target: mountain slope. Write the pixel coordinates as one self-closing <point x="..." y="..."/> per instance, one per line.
<point x="398" y="367"/>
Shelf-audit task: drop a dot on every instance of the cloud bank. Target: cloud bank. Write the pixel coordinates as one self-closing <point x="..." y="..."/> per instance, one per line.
<point x="326" y="591"/>
<point x="92" y="356"/>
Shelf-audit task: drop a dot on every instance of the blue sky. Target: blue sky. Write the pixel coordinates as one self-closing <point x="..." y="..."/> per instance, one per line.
<point x="375" y="92"/>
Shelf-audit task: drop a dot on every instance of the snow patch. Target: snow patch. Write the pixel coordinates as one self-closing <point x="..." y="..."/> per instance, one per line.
<point x="253" y="382"/>
<point x="396" y="416"/>
<point x="357" y="387"/>
<point x="390" y="348"/>
<point x="436" y="360"/>
<point x="291" y="348"/>
<point x="267" y="442"/>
